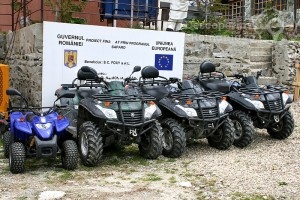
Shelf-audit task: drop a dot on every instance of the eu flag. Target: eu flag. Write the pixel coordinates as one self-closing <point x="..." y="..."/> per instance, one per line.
<point x="164" y="62"/>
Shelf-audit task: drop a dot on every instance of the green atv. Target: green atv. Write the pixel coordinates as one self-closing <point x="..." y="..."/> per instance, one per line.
<point x="113" y="116"/>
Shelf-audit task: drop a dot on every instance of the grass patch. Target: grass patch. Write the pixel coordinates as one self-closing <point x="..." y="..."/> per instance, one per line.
<point x="170" y="171"/>
<point x="133" y="181"/>
<point x="172" y="179"/>
<point x="152" y="177"/>
<point x="281" y="183"/>
<point x="254" y="196"/>
<point x="66" y="175"/>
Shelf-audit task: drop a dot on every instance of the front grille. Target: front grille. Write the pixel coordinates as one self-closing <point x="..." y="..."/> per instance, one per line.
<point x="273" y="105"/>
<point x="208" y="113"/>
<point x="131" y="117"/>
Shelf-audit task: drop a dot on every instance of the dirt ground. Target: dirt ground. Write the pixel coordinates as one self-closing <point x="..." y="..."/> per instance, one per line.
<point x="267" y="169"/>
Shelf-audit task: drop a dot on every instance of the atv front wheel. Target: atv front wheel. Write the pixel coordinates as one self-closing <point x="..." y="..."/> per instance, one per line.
<point x="244" y="129"/>
<point x="69" y="155"/>
<point x="17" y="156"/>
<point x="174" y="141"/>
<point x="90" y="144"/>
<point x="222" y="138"/>
<point x="284" y="128"/>
<point x="6" y="143"/>
<point x="151" y="142"/>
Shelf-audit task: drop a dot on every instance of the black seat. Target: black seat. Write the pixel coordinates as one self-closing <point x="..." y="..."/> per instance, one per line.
<point x="157" y="91"/>
<point x="220" y="85"/>
<point x="83" y="93"/>
<point x="86" y="72"/>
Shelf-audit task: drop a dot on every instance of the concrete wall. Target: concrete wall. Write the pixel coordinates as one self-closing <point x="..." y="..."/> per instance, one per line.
<point x="233" y="55"/>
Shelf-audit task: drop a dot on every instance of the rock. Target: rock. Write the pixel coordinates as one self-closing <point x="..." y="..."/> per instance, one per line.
<point x="185" y="184"/>
<point x="47" y="195"/>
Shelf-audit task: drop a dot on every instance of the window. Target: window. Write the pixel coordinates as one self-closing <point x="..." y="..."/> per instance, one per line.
<point x="259" y="5"/>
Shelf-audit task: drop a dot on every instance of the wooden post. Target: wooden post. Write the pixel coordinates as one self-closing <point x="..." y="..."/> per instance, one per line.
<point x="297" y="83"/>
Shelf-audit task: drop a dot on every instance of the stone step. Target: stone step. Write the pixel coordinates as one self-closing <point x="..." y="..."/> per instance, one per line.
<point x="261" y="51"/>
<point x="264" y="80"/>
<point x="264" y="72"/>
<point x="261" y="65"/>
<point x="260" y="58"/>
<point x="261" y="44"/>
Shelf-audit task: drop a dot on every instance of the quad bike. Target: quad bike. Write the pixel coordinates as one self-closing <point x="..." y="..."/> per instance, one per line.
<point x="188" y="112"/>
<point x="38" y="134"/>
<point x="114" y="117"/>
<point x="254" y="106"/>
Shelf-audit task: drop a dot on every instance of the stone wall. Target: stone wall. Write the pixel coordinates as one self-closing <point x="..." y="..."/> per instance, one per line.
<point x="2" y="46"/>
<point x="25" y="61"/>
<point x="285" y="55"/>
<point x="235" y="55"/>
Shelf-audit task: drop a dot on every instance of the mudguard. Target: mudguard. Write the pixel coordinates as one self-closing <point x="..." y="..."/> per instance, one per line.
<point x="239" y="99"/>
<point x="90" y="106"/>
<point x="169" y="105"/>
<point x="61" y="124"/>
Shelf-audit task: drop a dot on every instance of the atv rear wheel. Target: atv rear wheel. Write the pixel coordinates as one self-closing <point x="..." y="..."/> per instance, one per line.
<point x="174" y="141"/>
<point x="222" y="138"/>
<point x="17" y="156"/>
<point x="90" y="144"/>
<point x="151" y="142"/>
<point x="284" y="128"/>
<point x="6" y="143"/>
<point x="69" y="155"/>
<point x="244" y="129"/>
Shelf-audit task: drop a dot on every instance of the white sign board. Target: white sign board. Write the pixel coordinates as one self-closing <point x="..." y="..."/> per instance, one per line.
<point x="111" y="50"/>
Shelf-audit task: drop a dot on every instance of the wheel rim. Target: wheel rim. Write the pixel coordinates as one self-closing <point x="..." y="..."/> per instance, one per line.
<point x="238" y="132"/>
<point x="277" y="127"/>
<point x="84" y="144"/>
<point x="167" y="139"/>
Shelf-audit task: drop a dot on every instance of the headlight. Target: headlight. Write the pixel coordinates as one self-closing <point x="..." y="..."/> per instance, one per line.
<point x="257" y="104"/>
<point x="222" y="106"/>
<point x="43" y="126"/>
<point x="109" y="113"/>
<point x="285" y="97"/>
<point x="149" y="111"/>
<point x="191" y="112"/>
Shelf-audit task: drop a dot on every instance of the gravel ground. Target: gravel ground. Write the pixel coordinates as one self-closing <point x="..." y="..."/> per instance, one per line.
<point x="267" y="169"/>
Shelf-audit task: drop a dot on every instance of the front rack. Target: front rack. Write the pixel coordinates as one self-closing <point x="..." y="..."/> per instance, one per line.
<point x="201" y="96"/>
<point x="262" y="90"/>
<point x="124" y="98"/>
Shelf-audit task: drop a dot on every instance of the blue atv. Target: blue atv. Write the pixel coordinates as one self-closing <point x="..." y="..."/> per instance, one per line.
<point x="39" y="134"/>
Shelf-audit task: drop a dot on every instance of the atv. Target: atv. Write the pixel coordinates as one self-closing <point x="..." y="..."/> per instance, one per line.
<point x="114" y="117"/>
<point x="254" y="106"/>
<point x="34" y="133"/>
<point x="188" y="112"/>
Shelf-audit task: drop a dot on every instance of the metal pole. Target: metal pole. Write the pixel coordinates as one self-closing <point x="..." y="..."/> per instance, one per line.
<point x="131" y="13"/>
<point x="115" y="12"/>
<point x="12" y="15"/>
<point x="296" y="4"/>
<point x="56" y="10"/>
<point x="42" y="10"/>
<point x="24" y="13"/>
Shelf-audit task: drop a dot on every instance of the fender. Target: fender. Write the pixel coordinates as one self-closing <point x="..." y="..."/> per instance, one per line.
<point x="170" y="106"/>
<point x="24" y="127"/>
<point x="238" y="98"/>
<point x="90" y="106"/>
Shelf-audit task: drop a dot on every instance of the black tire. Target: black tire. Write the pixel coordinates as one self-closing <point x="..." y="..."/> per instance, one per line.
<point x="222" y="138"/>
<point x="90" y="144"/>
<point x="174" y="141"/>
<point x="284" y="128"/>
<point x="17" y="156"/>
<point x="244" y="129"/>
<point x="6" y="143"/>
<point x="69" y="155"/>
<point x="150" y="145"/>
